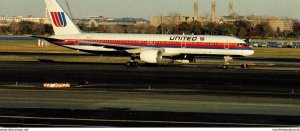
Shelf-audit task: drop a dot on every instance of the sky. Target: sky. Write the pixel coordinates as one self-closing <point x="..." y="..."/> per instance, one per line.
<point x="147" y="8"/>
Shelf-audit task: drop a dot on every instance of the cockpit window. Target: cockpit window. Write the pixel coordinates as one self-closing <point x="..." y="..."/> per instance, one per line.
<point x="242" y="44"/>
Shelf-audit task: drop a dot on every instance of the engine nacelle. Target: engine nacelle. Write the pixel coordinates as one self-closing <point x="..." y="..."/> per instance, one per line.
<point x="151" y="56"/>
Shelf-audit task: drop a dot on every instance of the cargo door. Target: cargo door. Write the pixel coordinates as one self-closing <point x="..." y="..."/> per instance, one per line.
<point x="226" y="45"/>
<point x="183" y="44"/>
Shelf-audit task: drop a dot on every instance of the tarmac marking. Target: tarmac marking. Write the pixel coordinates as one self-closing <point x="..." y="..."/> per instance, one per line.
<point x="265" y="105"/>
<point x="43" y="99"/>
<point x="52" y="125"/>
<point x="149" y="102"/>
<point x="140" y="121"/>
<point x="66" y="91"/>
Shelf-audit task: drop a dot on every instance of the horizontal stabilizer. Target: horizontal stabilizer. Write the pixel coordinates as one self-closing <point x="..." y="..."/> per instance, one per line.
<point x="51" y="40"/>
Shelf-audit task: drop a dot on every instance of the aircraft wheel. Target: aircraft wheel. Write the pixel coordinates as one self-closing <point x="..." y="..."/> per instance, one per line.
<point x="225" y="66"/>
<point x="244" y="65"/>
<point x="128" y="63"/>
<point x="133" y="64"/>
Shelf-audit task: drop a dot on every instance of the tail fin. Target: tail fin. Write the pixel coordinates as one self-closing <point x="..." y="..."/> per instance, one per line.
<point x="61" y="22"/>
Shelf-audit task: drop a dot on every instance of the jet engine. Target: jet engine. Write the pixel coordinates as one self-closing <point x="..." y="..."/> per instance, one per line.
<point x="151" y="56"/>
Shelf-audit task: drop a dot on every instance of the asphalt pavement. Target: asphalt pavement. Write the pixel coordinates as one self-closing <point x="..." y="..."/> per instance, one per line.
<point x="146" y="96"/>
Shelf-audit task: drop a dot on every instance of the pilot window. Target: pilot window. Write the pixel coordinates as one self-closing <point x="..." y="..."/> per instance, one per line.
<point x="242" y="44"/>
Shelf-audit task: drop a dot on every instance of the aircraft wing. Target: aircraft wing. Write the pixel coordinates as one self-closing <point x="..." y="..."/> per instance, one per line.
<point x="111" y="46"/>
<point x="115" y="46"/>
<point x="129" y="49"/>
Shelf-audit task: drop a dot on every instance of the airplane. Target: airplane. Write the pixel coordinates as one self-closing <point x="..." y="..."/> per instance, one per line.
<point x="149" y="48"/>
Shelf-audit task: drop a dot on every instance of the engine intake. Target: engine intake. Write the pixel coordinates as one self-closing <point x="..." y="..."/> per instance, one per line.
<point x="151" y="56"/>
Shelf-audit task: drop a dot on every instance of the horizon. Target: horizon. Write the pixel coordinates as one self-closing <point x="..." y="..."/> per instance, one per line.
<point x="148" y="8"/>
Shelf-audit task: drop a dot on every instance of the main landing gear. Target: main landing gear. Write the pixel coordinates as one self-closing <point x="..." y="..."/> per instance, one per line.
<point x="132" y="62"/>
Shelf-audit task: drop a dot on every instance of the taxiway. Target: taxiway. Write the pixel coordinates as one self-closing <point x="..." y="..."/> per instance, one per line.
<point x="160" y="96"/>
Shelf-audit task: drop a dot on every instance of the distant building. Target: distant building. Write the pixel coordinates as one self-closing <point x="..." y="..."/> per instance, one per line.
<point x="174" y="19"/>
<point x="213" y="11"/>
<point x="11" y="19"/>
<point x="37" y="20"/>
<point x="274" y="21"/>
<point x="178" y="18"/>
<point x="122" y="21"/>
<point x="196" y="15"/>
<point x="7" y="20"/>
<point x="96" y="21"/>
<point x="231" y="18"/>
<point x="283" y="24"/>
<point x="230" y="10"/>
<point x="81" y="21"/>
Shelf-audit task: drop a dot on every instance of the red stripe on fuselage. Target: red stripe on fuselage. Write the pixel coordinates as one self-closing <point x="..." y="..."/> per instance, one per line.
<point x="160" y="44"/>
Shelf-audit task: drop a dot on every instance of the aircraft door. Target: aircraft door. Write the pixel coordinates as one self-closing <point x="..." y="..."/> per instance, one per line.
<point x="226" y="45"/>
<point x="183" y="44"/>
<point x="76" y="40"/>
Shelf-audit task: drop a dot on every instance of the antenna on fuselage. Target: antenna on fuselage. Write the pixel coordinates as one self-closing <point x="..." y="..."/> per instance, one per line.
<point x="69" y="10"/>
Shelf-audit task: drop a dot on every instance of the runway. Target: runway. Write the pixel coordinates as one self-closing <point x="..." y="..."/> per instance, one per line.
<point x="253" y="62"/>
<point x="243" y="59"/>
<point x="161" y="96"/>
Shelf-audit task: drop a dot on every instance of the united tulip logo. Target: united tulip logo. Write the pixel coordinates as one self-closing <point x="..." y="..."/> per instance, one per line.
<point x="59" y="19"/>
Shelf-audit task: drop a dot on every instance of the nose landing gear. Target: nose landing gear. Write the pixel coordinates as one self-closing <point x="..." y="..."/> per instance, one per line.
<point x="227" y="60"/>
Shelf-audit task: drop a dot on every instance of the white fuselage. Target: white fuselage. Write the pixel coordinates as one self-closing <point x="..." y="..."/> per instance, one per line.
<point x="170" y="45"/>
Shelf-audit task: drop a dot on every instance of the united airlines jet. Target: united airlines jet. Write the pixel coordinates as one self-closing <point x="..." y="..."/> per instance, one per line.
<point x="149" y="48"/>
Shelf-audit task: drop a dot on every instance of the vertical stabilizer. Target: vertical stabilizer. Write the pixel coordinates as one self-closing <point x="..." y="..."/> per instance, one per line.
<point x="61" y="22"/>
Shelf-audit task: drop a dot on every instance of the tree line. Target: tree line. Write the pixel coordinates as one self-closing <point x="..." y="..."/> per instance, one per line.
<point x="241" y="29"/>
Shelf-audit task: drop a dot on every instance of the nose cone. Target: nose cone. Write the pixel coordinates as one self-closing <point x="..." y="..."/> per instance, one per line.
<point x="249" y="52"/>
